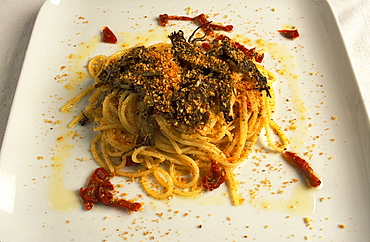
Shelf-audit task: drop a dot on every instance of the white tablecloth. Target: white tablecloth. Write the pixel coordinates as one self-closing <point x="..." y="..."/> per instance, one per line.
<point x="18" y="17"/>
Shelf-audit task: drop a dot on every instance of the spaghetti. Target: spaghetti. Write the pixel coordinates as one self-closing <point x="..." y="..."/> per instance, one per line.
<point x="179" y="117"/>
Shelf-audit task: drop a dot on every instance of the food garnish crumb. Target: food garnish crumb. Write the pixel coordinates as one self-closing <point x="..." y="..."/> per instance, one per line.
<point x="188" y="10"/>
<point x="307" y="220"/>
<point x="342" y="226"/>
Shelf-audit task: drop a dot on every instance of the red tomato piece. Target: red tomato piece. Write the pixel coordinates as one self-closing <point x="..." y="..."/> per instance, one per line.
<point x="306" y="169"/>
<point x="289" y="33"/>
<point x="108" y="36"/>
<point x="215" y="177"/>
<point x="99" y="189"/>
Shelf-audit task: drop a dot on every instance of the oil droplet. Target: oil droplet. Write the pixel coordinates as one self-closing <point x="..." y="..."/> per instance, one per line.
<point x="287" y="69"/>
<point x="147" y="38"/>
<point x="78" y="61"/>
<point x="84" y="50"/>
<point x="61" y="198"/>
<point x="301" y="203"/>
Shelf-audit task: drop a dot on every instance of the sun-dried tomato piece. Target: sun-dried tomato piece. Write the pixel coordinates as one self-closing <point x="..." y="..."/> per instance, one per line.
<point x="289" y="33"/>
<point x="201" y="20"/>
<point x="108" y="36"/>
<point x="99" y="189"/>
<point x="215" y="177"/>
<point x="303" y="165"/>
<point x="121" y="203"/>
<point x="88" y="204"/>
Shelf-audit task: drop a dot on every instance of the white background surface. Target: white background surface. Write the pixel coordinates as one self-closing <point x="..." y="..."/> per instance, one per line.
<point x="18" y="17"/>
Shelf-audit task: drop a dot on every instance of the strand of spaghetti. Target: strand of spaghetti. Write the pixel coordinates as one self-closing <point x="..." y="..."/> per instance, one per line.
<point x="164" y="147"/>
<point x="277" y="129"/>
<point x="243" y="126"/>
<point x="173" y="143"/>
<point x="156" y="194"/>
<point x="114" y="138"/>
<point x="267" y="117"/>
<point x="189" y="150"/>
<point x="107" y="111"/>
<point x="123" y="163"/>
<point x="163" y="143"/>
<point x="131" y="111"/>
<point x="135" y="154"/>
<point x="94" y="151"/>
<point x="105" y="127"/>
<point x="188" y="193"/>
<point x="133" y="174"/>
<point x="213" y="137"/>
<point x="112" y="151"/>
<point x="192" y="166"/>
<point x="213" y="120"/>
<point x="247" y="150"/>
<point x="203" y="165"/>
<point x="256" y="121"/>
<point x="150" y="153"/>
<point x="113" y="110"/>
<point x="232" y="144"/>
<point x="93" y="99"/>
<point x="213" y="151"/>
<point x="148" y="162"/>
<point x="95" y="65"/>
<point x="236" y="146"/>
<point x="271" y="102"/>
<point x="106" y="156"/>
<point x="176" y="159"/>
<point x="251" y="143"/>
<point x="124" y="158"/>
<point x="158" y="172"/>
<point x="252" y="124"/>
<point x="196" y="152"/>
<point x="177" y="177"/>
<point x="228" y="137"/>
<point x="73" y="101"/>
<point x="193" y="191"/>
<point x="267" y="73"/>
<point x="75" y="121"/>
<point x="255" y="115"/>
<point x="127" y="100"/>
<point x="224" y="141"/>
<point x="123" y="105"/>
<point x="233" y="187"/>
